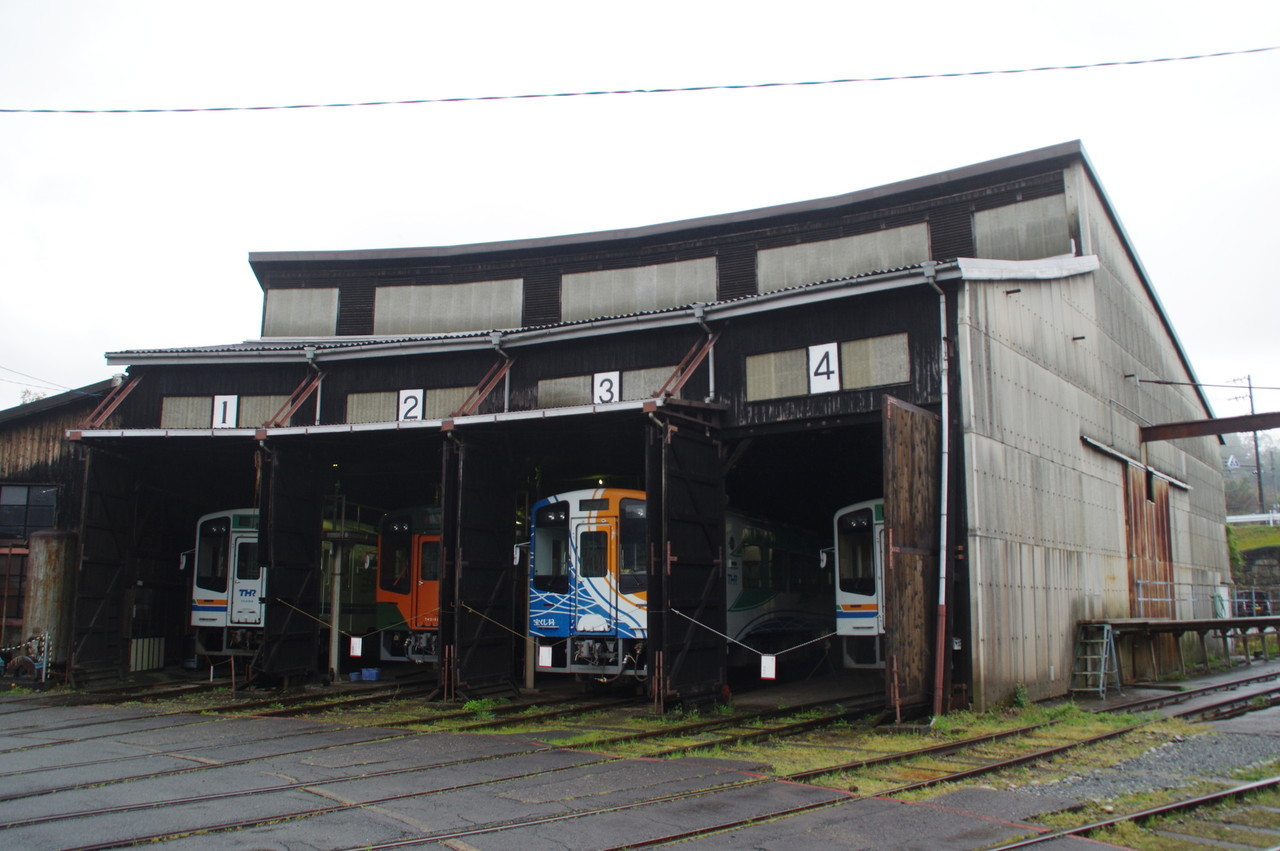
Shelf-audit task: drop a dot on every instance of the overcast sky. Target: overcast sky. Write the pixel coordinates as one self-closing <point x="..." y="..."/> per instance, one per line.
<point x="128" y="231"/>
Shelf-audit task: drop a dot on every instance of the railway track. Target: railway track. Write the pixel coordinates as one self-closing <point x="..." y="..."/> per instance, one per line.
<point x="516" y="765"/>
<point x="1233" y="808"/>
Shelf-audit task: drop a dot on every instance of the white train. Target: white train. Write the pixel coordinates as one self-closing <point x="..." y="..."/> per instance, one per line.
<point x="859" y="571"/>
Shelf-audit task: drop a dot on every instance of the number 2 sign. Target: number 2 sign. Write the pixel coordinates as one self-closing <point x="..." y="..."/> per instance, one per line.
<point x="410" y="405"/>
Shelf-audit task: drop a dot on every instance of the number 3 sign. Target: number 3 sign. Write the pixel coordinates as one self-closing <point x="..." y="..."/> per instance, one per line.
<point x="606" y="387"/>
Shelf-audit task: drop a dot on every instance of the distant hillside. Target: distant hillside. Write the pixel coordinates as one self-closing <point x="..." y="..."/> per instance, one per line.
<point x="1260" y="547"/>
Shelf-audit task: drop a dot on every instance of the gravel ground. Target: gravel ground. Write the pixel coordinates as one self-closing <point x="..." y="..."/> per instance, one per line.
<point x="1214" y="755"/>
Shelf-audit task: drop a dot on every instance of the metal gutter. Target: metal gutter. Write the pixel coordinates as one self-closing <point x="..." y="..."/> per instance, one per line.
<point x="698" y="314"/>
<point x="448" y="424"/>
<point x="1120" y="456"/>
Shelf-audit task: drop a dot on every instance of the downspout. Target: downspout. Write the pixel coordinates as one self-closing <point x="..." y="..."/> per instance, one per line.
<point x="310" y="353"/>
<point x="336" y="553"/>
<point x="699" y="313"/>
<point x="496" y="338"/>
<point x="940" y="628"/>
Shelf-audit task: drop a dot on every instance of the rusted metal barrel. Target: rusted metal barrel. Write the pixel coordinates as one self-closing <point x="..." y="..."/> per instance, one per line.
<point x="50" y="586"/>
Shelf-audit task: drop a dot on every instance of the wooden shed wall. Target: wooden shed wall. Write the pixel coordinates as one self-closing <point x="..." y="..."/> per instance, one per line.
<point x="34" y="450"/>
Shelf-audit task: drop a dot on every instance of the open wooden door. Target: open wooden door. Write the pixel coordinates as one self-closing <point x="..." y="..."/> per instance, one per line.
<point x="912" y="467"/>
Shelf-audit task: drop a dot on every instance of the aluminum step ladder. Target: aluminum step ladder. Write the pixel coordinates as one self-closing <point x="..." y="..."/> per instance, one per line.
<point x="1097" y="667"/>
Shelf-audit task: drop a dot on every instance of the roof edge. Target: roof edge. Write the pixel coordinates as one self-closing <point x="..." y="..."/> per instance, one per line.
<point x="1051" y="153"/>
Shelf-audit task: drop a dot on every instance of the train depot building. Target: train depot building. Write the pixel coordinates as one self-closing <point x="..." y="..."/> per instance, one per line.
<point x="958" y="368"/>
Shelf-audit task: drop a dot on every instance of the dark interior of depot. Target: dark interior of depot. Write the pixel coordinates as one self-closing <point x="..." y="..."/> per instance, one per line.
<point x="799" y="479"/>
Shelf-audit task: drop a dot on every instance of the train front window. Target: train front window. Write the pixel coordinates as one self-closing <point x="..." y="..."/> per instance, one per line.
<point x="855" y="552"/>
<point x="394" y="559"/>
<point x="430" y="565"/>
<point x="247" y="566"/>
<point x="633" y="572"/>
<point x="593" y="554"/>
<point x="551" y="548"/>
<point x="213" y="546"/>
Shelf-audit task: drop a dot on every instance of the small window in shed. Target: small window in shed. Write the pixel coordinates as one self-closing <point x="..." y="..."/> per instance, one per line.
<point x="301" y="312"/>
<point x="27" y="508"/>
<point x="564" y="392"/>
<point x="256" y="410"/>
<point x="875" y="362"/>
<point x="371" y="407"/>
<point x="13" y="577"/>
<point x="865" y="363"/>
<point x="777" y="374"/>
<point x="186" y="411"/>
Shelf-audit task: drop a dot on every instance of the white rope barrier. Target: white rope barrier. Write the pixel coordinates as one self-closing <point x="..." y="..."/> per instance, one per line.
<point x="748" y="646"/>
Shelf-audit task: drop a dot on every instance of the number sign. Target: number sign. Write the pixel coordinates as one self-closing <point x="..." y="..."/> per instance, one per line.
<point x="410" y="405"/>
<point x="225" y="411"/>
<point x="824" y="368"/>
<point x="606" y="387"/>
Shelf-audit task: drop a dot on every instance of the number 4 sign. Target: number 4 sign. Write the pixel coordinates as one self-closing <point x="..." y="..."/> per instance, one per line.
<point x="824" y="368"/>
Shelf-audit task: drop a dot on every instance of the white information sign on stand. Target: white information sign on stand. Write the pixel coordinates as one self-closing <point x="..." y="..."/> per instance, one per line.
<point x="544" y="656"/>
<point x="824" y="368"/>
<point x="357" y="645"/>
<point x="768" y="667"/>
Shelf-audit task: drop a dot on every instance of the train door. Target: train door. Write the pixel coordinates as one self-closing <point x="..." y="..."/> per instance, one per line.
<point x="859" y="575"/>
<point x="596" y="601"/>
<point x="248" y="579"/>
<point x="426" y="591"/>
<point x="209" y="591"/>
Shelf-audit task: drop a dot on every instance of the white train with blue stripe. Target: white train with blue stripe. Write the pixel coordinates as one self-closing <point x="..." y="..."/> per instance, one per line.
<point x="588" y="585"/>
<point x="229" y="581"/>
<point x="859" y="569"/>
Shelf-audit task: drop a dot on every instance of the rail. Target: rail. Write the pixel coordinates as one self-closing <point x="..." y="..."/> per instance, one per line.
<point x="1191" y="601"/>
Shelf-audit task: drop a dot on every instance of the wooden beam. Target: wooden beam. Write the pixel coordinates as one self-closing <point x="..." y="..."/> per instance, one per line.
<point x="1205" y="428"/>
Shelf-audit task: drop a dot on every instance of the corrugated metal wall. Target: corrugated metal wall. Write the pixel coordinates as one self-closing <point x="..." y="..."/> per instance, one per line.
<point x="447" y="308"/>
<point x="1043" y="363"/>
<point x="301" y="313"/>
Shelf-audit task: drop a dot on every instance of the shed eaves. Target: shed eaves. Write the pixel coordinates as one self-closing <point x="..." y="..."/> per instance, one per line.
<point x="292" y="346"/>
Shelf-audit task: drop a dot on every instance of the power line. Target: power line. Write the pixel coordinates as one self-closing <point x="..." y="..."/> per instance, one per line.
<point x="1197" y="384"/>
<point x="653" y="91"/>
<point x="29" y="384"/>
<point x="56" y="385"/>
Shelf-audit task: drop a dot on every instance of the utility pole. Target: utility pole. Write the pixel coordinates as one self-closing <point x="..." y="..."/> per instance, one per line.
<point x="1257" y="455"/>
